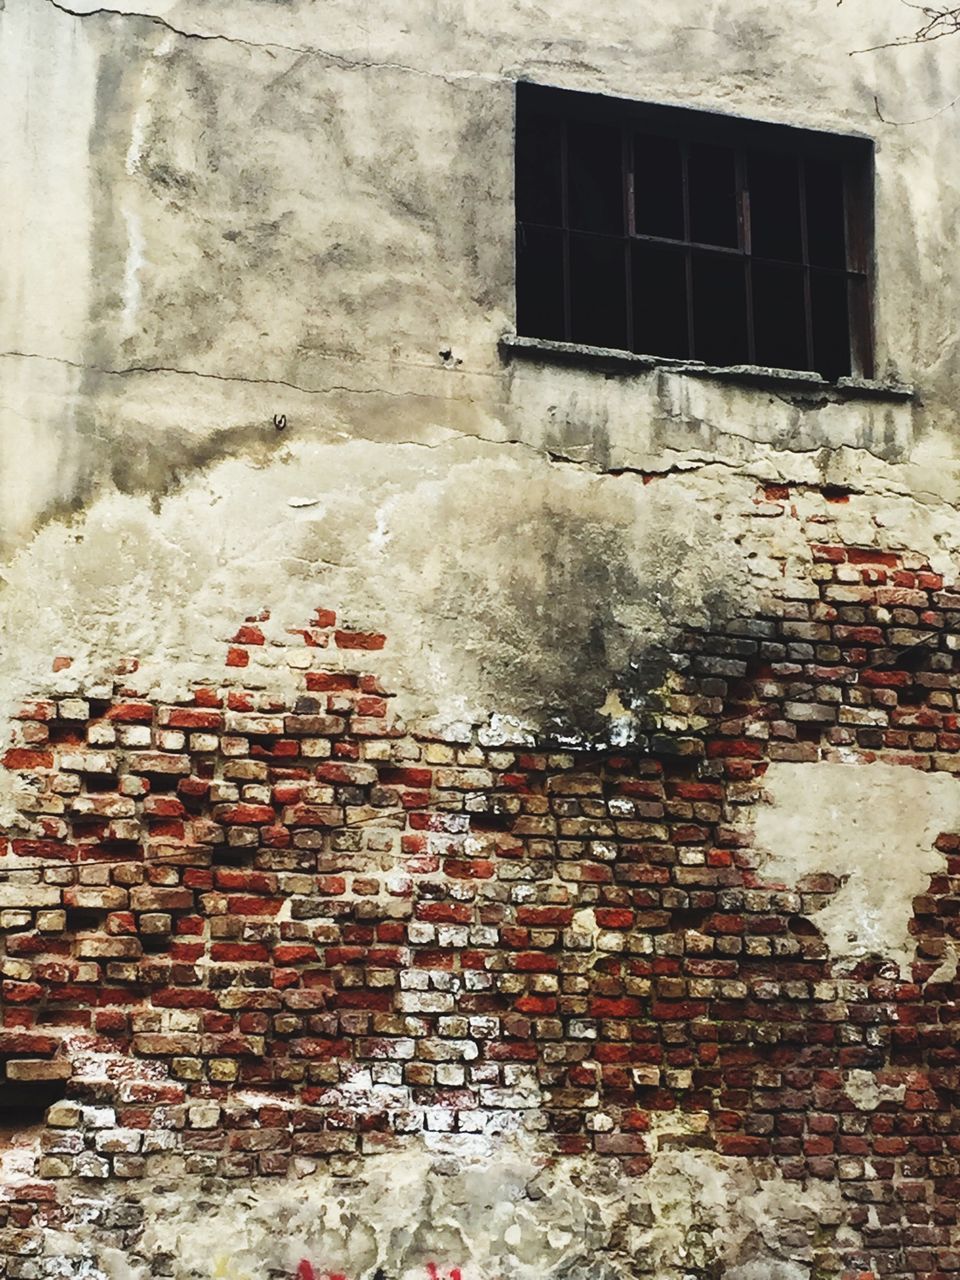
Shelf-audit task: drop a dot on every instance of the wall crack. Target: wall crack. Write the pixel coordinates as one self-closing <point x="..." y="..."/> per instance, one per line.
<point x="271" y="47"/>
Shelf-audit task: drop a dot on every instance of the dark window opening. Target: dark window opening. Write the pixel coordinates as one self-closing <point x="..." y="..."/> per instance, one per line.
<point x="692" y="236"/>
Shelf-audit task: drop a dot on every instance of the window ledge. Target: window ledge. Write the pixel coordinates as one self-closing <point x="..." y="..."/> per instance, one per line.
<point x="513" y="346"/>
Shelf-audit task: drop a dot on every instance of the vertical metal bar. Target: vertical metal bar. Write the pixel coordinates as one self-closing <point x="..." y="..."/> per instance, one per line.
<point x="565" y="229"/>
<point x="805" y="260"/>
<point x="688" y="253"/>
<point x="744" y="239"/>
<point x="746" y="226"/>
<point x="630" y="207"/>
<point x="857" y="225"/>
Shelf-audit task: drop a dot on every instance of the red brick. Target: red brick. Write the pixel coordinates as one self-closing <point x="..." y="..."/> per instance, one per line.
<point x="622" y="1007"/>
<point x="252" y="906"/>
<point x="249" y="635"/>
<point x="44" y="849"/>
<point x="250" y="881"/>
<point x="294" y="953"/>
<point x="243" y="952"/>
<point x="20" y="1044"/>
<point x="245" y="815"/>
<point x="444" y="912"/>
<point x="22" y="992"/>
<point x="23" y="758"/>
<point x="176" y="998"/>
<point x="359" y="640"/>
<point x="872" y="555"/>
<point x="193" y="718"/>
<point x="619" y="1144"/>
<point x="886" y="679"/>
<point x="744" y="748"/>
<point x="151" y="898"/>
<point x="36" y="709"/>
<point x="407" y="777"/>
<point x="330" y="681"/>
<point x="614" y="918"/>
<point x="131" y="712"/>
<point x="534" y="962"/>
<point x="331" y="886"/>
<point x="474" y="869"/>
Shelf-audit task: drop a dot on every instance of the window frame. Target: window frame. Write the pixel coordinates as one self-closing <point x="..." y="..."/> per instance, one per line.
<point x="854" y="154"/>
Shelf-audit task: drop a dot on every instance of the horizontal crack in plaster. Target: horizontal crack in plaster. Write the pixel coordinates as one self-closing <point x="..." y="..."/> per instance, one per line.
<point x="686" y="467"/>
<point x="339" y="59"/>
<point x="215" y="377"/>
<point x="680" y="468"/>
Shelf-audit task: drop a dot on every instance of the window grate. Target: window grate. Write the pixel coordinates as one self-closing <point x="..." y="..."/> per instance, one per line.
<point x="683" y="234"/>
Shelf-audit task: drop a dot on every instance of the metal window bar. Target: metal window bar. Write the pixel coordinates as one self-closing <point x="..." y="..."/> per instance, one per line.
<point x="745" y="245"/>
<point x="688" y="253"/>
<point x="857" y="276"/>
<point x="805" y="260"/>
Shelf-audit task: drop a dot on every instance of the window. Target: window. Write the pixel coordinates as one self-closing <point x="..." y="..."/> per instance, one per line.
<point x="690" y="235"/>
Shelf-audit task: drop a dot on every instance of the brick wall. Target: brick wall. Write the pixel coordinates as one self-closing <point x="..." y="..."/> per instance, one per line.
<point x="240" y="930"/>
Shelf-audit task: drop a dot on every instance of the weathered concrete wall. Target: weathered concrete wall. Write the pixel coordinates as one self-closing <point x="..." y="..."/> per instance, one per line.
<point x="220" y="216"/>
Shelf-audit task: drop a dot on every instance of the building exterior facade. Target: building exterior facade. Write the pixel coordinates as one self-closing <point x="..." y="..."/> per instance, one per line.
<point x="479" y="795"/>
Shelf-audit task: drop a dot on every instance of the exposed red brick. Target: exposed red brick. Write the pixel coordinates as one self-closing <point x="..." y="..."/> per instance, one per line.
<point x="23" y="758"/>
<point x="360" y="640"/>
<point x="193" y="718"/>
<point x="249" y="635"/>
<point x="298" y="953"/>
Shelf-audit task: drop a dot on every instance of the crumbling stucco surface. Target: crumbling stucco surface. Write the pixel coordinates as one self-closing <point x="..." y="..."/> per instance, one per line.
<point x="257" y="261"/>
<point x="210" y="232"/>
<point x="506" y="1212"/>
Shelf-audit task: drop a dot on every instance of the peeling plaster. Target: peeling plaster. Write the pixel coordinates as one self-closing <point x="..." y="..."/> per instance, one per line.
<point x="946" y="971"/>
<point x="586" y="600"/>
<point x="277" y="285"/>
<point x="867" y="1092"/>
<point x="327" y="199"/>
<point x="872" y="826"/>
<point x="509" y="1213"/>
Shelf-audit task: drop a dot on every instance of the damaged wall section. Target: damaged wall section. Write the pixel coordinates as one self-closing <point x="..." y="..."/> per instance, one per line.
<point x="258" y="938"/>
<point x="575" y="892"/>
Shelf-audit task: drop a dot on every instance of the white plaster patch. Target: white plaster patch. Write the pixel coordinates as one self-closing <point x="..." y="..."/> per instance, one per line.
<point x="135" y="260"/>
<point x="873" y="826"/>
<point x="135" y="149"/>
<point x="18" y="1160"/>
<point x="946" y="970"/>
<point x="866" y="1092"/>
<point x="503" y="731"/>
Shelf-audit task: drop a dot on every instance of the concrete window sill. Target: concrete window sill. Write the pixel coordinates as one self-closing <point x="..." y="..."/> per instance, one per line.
<point x="512" y="346"/>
